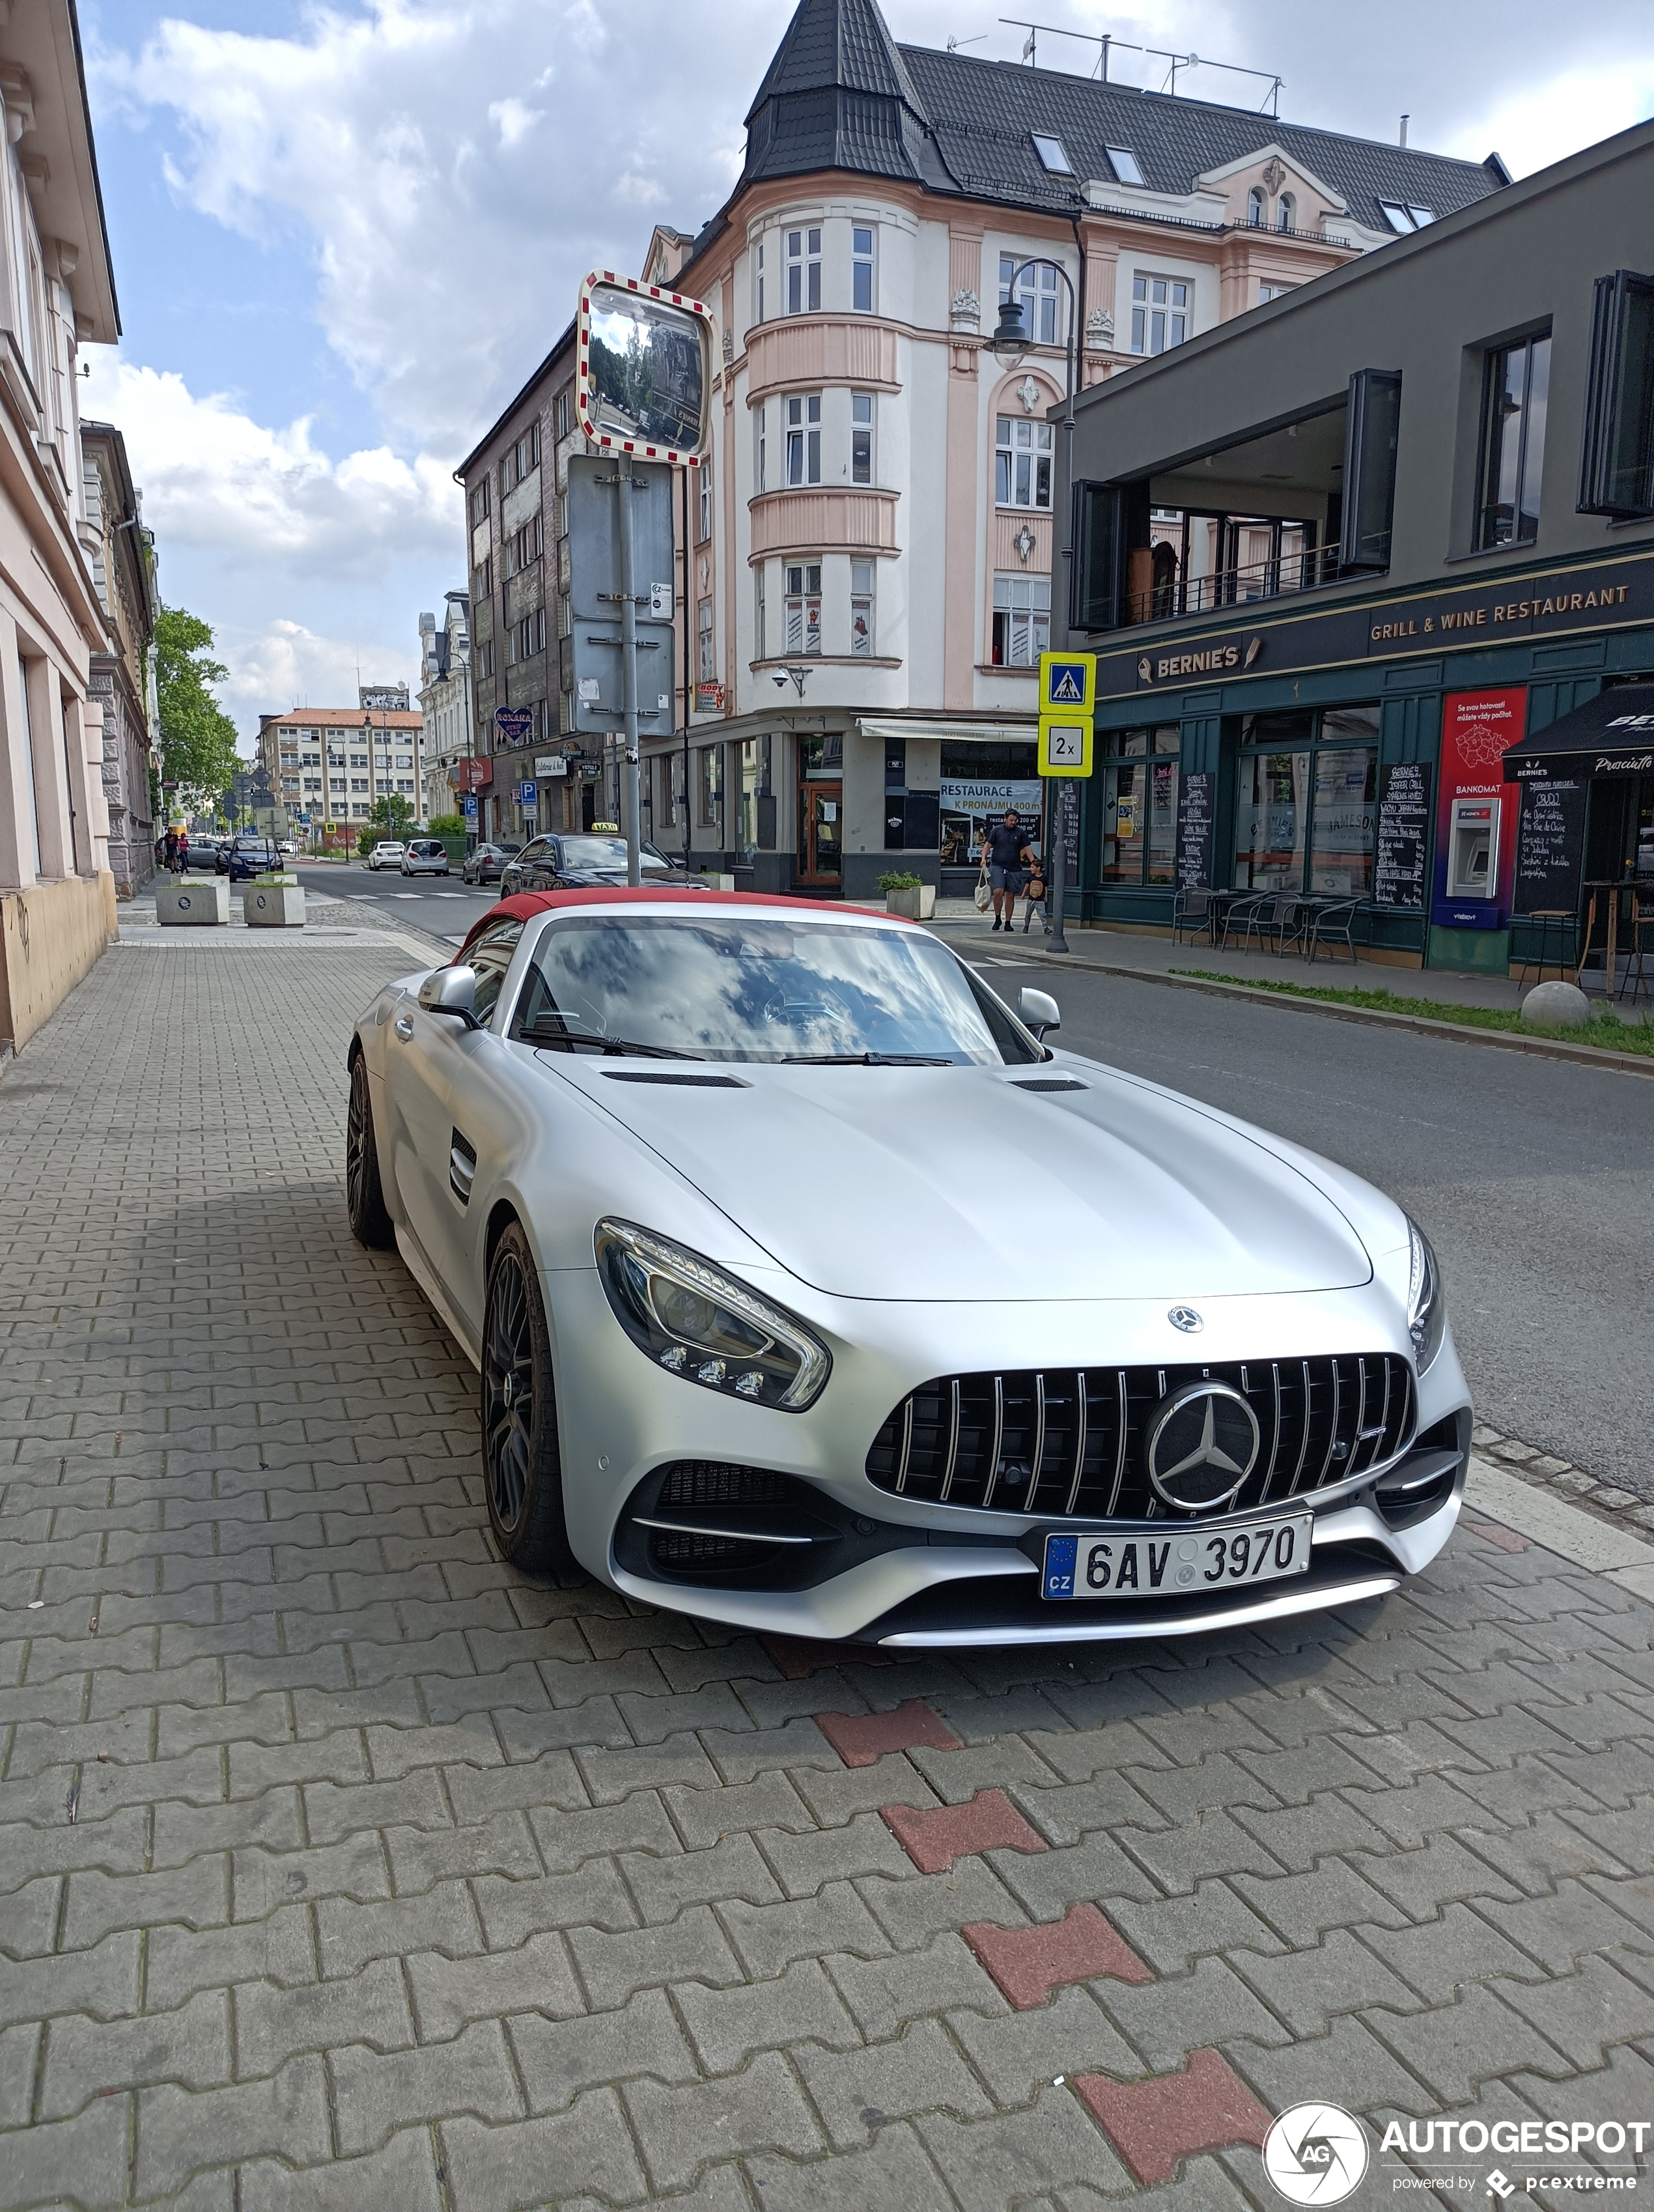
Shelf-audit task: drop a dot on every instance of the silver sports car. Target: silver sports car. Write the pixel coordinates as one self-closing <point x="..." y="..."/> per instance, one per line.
<point x="812" y="1291"/>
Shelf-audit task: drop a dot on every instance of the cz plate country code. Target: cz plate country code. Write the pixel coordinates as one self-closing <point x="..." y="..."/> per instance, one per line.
<point x="1182" y="1561"/>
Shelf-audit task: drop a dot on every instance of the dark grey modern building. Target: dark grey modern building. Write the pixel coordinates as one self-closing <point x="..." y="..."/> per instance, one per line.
<point x="1338" y="554"/>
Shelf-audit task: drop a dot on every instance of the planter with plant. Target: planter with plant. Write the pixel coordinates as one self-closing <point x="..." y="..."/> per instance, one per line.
<point x="274" y="900"/>
<point x="908" y="894"/>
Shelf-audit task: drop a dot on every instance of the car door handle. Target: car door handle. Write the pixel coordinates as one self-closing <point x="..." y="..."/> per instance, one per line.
<point x="404" y="1025"/>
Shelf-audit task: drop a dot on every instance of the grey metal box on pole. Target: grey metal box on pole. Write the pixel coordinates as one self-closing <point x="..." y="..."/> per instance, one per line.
<point x="598" y="588"/>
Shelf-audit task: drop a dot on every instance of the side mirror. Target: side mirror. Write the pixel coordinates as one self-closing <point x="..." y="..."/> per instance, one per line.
<point x="1037" y="1010"/>
<point x="450" y="991"/>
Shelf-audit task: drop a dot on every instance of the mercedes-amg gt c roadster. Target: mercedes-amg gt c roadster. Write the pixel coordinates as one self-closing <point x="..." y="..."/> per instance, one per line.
<point x="813" y="1292"/>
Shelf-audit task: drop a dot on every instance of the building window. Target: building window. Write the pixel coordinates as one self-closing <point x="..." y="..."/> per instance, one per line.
<point x="758" y="611"/>
<point x="1255" y="208"/>
<point x="760" y="432"/>
<point x="1023" y="454"/>
<point x="404" y="760"/>
<point x="1617" y="468"/>
<point x="1513" y="443"/>
<point x="480" y="500"/>
<point x="526" y="638"/>
<point x="861" y="437"/>
<point x="1160" y="311"/>
<point x="861" y="268"/>
<point x="1036" y="288"/>
<point x="704" y="497"/>
<point x="1267" y="292"/>
<point x="712" y="784"/>
<point x="1052" y="155"/>
<point x="313" y="783"/>
<point x="359" y="783"/>
<point x="1125" y="165"/>
<point x="524" y="546"/>
<point x="404" y="783"/>
<point x="484" y="657"/>
<point x="803" y="272"/>
<point x="563" y="413"/>
<point x="1021" y="620"/>
<point x="805" y="606"/>
<point x="482" y="578"/>
<point x="1407" y="219"/>
<point x="359" y="760"/>
<point x="1285" y="212"/>
<point x="1305" y="802"/>
<point x="803" y="421"/>
<point x="758" y="287"/>
<point x="861" y="609"/>
<point x="708" y="651"/>
<point x="1140" y="805"/>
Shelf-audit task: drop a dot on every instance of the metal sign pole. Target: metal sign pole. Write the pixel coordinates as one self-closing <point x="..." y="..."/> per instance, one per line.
<point x="623" y="487"/>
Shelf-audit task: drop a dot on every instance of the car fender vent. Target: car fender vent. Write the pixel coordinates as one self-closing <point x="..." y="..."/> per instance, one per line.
<point x="462" y="1166"/>
<point x="1051" y="1082"/>
<point x="664" y="1075"/>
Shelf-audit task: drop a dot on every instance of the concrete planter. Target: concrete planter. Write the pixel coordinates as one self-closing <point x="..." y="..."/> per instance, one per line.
<point x="716" y="880"/>
<point x="917" y="903"/>
<point x="192" y="901"/>
<point x="273" y="906"/>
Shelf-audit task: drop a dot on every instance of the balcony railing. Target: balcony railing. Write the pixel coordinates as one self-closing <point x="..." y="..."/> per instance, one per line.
<point x="1231" y="587"/>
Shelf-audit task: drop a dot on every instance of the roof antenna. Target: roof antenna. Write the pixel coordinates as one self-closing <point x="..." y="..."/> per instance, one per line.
<point x="1406" y="119"/>
<point x="1031" y="47"/>
<point x="953" y="45"/>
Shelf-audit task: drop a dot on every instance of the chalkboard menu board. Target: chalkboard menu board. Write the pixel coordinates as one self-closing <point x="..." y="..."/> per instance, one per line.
<point x="1195" y="800"/>
<point x="1550" y="845"/>
<point x="1404" y="844"/>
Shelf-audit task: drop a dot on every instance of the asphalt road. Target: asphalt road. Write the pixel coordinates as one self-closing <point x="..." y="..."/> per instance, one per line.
<point x="1534" y="1179"/>
<point x="444" y="905"/>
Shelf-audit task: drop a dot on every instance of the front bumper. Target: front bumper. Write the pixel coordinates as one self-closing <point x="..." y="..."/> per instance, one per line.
<point x="917" y="1574"/>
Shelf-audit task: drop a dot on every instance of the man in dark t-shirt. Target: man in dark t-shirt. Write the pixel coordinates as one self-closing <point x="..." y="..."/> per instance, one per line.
<point x="1003" y="851"/>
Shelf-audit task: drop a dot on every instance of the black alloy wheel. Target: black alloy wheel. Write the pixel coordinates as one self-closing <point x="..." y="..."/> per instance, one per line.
<point x="522" y="1467"/>
<point x="370" y="1217"/>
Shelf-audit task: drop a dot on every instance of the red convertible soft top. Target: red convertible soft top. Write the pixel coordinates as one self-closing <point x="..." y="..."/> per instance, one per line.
<point x="523" y="906"/>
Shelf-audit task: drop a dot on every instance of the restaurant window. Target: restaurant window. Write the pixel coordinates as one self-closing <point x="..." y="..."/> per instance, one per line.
<point x="805" y="606"/>
<point x="803" y="272"/>
<point x="1021" y="620"/>
<point x="1513" y="441"/>
<point x="1035" y="286"/>
<point x="1160" y="311"/>
<point x="861" y="268"/>
<point x="1616" y="474"/>
<point x="1306" y="802"/>
<point x="804" y="422"/>
<point x="708" y="648"/>
<point x="1022" y="451"/>
<point x="861" y="609"/>
<point x="1140" y="805"/>
<point x="861" y="437"/>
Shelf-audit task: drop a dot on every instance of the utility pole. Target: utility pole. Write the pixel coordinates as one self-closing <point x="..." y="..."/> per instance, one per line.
<point x="623" y="490"/>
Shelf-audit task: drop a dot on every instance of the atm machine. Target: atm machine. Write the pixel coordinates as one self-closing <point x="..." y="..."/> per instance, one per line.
<point x="1473" y="848"/>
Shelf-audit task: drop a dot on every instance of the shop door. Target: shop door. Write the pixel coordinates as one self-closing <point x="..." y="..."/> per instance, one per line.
<point x="821" y="833"/>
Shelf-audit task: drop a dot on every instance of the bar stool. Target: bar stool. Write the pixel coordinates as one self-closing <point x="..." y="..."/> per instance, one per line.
<point x="1558" y="926"/>
<point x="1642" y="929"/>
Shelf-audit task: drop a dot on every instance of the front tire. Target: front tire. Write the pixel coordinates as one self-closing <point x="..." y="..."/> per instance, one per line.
<point x="370" y="1217"/>
<point x="521" y="1467"/>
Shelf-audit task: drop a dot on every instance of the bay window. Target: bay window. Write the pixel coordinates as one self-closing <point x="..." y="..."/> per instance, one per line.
<point x="803" y="272"/>
<point x="805" y="606"/>
<point x="1022" y="456"/>
<point x="861" y="609"/>
<point x="861" y="437"/>
<point x="804" y="422"/>
<point x="1021" y="620"/>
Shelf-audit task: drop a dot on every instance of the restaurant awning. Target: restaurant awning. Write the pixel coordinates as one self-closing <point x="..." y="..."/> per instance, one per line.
<point x="1611" y="735"/>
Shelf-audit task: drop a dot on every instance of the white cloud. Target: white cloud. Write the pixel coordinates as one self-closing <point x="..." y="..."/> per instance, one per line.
<point x="1533" y="125"/>
<point x="288" y="665"/>
<point x="513" y="119"/>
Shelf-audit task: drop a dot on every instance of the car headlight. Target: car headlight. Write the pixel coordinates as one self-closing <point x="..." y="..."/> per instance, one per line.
<point x="705" y="1326"/>
<point x="1426" y="1309"/>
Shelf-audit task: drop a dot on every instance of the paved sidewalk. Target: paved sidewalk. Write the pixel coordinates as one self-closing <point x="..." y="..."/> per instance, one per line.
<point x="342" y="1866"/>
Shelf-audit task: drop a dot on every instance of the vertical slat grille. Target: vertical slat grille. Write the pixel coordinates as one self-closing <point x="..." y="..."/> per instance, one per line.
<point x="1071" y="1441"/>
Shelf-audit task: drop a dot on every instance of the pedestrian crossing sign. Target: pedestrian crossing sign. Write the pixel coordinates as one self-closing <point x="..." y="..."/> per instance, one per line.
<point x="1064" y="744"/>
<point x="1068" y="680"/>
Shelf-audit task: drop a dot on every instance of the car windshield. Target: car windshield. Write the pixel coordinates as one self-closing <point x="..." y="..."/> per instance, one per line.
<point x="607" y="853"/>
<point x="740" y="988"/>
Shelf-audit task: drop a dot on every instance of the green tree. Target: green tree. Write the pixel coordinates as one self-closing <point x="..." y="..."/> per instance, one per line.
<point x="390" y="817"/>
<point x="197" y="738"/>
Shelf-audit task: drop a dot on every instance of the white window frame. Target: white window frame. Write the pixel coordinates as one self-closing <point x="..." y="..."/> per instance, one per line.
<point x="863" y="608"/>
<point x="1024" y="450"/>
<point x="1128" y="169"/>
<point x="1053" y="154"/>
<point x="1162" y="308"/>
<point x="707" y="640"/>
<point x="801" y="412"/>
<point x="703" y="502"/>
<point x="803" y="249"/>
<point x="760" y="453"/>
<point x="863" y="264"/>
<point x="1037" y="289"/>
<point x="758" y="611"/>
<point x="803" y="583"/>
<point x="1026" y="624"/>
<point x="863" y="418"/>
<point x="758" y="287"/>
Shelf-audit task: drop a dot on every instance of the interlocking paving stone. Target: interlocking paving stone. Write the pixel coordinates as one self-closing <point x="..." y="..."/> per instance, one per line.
<point x="397" y="1878"/>
<point x="1157" y="2122"/>
<point x="1029" y="1963"/>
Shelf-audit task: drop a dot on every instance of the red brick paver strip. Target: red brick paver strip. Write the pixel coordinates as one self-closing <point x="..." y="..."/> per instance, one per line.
<point x="1029" y="1963"/>
<point x="860" y="1739"/>
<point x="797" y="1656"/>
<point x="1501" y="1538"/>
<point x="1155" y="2123"/>
<point x="934" y="1839"/>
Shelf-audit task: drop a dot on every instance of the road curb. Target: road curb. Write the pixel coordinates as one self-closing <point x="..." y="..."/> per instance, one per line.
<point x="1546" y="1519"/>
<point x="1583" y="1055"/>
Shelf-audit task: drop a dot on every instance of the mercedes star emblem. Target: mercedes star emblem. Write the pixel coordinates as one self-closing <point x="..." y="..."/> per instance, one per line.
<point x="1186" y="1318"/>
<point x="1201" y="1445"/>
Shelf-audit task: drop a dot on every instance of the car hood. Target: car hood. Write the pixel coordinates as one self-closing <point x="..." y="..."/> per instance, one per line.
<point x="960" y="1183"/>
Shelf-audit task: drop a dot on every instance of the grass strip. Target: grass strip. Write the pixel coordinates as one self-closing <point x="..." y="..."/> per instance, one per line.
<point x="1605" y="1030"/>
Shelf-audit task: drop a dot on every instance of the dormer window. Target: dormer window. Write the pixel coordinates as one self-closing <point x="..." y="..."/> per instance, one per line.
<point x="1052" y="156"/>
<point x="1405" y="220"/>
<point x="1124" y="164"/>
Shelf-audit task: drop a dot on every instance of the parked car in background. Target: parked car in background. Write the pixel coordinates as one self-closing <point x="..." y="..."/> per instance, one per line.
<point x="425" y="856"/>
<point x="585" y="859"/>
<point x="241" y="857"/>
<point x="485" y="864"/>
<point x="387" y="854"/>
<point x="286" y="845"/>
<point x="203" y="852"/>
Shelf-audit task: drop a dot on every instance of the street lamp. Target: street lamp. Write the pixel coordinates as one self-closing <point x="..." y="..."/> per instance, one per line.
<point x="1011" y="344"/>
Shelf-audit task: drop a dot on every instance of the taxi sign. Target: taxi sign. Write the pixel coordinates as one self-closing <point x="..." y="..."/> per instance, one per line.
<point x="1067" y="681"/>
<point x="1064" y="744"/>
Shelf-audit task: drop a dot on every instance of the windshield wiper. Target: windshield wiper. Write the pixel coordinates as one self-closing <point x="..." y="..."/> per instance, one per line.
<point x="867" y="1059"/>
<point x="567" y="1040"/>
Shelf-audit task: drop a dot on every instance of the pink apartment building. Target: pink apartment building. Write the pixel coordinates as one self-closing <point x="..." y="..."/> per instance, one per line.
<point x="873" y="551"/>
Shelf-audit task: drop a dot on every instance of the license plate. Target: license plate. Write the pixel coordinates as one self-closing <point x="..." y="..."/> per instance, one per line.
<point x="1178" y="1564"/>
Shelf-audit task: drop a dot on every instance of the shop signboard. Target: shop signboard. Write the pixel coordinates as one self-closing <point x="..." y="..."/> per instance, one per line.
<point x="1550" y="845"/>
<point x="514" y="724"/>
<point x="969" y="809"/>
<point x="1197" y="801"/>
<point x="1403" y="840"/>
<point x="474" y="773"/>
<point x="1476" y="808"/>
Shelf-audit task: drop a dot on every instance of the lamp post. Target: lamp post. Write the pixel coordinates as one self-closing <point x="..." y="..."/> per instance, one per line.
<point x="1011" y="344"/>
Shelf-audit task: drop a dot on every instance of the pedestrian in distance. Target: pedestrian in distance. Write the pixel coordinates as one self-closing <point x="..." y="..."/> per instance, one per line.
<point x="1033" y="895"/>
<point x="171" y="850"/>
<point x="1002" y="852"/>
<point x="184" y="851"/>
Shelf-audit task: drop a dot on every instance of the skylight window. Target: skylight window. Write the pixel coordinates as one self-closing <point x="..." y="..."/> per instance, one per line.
<point x="1051" y="155"/>
<point x="1126" y="164"/>
<point x="1406" y="220"/>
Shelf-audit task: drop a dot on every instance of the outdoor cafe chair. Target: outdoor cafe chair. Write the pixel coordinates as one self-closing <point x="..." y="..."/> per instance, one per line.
<point x="1194" y="914"/>
<point x="1333" y="922"/>
<point x="1557" y="932"/>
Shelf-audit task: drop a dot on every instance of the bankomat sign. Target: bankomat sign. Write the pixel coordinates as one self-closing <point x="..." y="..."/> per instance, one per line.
<point x="1476" y="808"/>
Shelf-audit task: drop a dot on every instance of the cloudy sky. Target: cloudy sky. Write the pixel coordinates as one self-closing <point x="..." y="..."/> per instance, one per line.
<point x="343" y="236"/>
